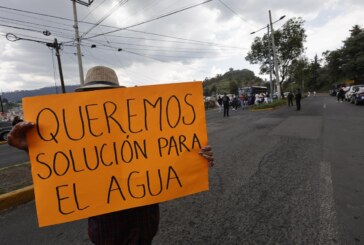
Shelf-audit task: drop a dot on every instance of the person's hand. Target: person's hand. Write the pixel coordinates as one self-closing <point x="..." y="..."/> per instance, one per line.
<point x="208" y="154"/>
<point x="16" y="136"/>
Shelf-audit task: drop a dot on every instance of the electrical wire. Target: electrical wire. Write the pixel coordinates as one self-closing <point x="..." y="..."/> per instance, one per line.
<point x="57" y="34"/>
<point x="131" y="30"/>
<point x="235" y="13"/>
<point x="20" y="28"/>
<point x="107" y="15"/>
<point x="153" y="19"/>
<point x="27" y="23"/>
<point x="111" y="48"/>
<point x="89" y="13"/>
<point x="180" y="38"/>
<point x="181" y="49"/>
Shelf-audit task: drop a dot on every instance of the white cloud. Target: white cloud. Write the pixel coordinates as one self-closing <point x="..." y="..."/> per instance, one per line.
<point x="27" y="65"/>
<point x="331" y="35"/>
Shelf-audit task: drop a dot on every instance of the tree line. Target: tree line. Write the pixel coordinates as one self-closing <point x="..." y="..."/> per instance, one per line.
<point x="338" y="66"/>
<point x="230" y="82"/>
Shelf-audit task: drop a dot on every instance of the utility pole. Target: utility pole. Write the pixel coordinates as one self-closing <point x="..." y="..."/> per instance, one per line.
<point x="78" y="45"/>
<point x="56" y="46"/>
<point x="77" y="35"/>
<point x="275" y="57"/>
<point x="270" y="67"/>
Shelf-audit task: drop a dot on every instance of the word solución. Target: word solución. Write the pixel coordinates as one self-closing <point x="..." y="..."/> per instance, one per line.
<point x="91" y="158"/>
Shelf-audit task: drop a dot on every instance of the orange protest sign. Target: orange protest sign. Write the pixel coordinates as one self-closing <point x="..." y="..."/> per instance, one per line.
<point x="102" y="151"/>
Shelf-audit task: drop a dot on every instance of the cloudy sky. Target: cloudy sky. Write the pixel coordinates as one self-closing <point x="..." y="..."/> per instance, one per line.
<point x="154" y="41"/>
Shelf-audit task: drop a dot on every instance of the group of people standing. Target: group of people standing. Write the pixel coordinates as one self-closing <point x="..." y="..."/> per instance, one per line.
<point x="224" y="102"/>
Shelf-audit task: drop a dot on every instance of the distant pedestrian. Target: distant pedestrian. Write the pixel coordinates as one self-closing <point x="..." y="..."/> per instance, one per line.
<point x="314" y="93"/>
<point x="226" y="104"/>
<point x="244" y="101"/>
<point x="290" y="99"/>
<point x="340" y="95"/>
<point x="235" y="103"/>
<point x="219" y="103"/>
<point x="298" y="97"/>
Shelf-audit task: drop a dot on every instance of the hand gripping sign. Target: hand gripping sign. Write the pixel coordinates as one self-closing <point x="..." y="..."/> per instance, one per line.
<point x="108" y="150"/>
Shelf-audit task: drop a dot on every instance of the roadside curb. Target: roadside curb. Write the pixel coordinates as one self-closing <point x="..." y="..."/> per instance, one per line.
<point x="3" y="142"/>
<point x="16" y="197"/>
<point x="265" y="109"/>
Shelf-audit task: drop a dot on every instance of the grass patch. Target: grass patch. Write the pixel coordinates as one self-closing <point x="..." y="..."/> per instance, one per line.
<point x="274" y="104"/>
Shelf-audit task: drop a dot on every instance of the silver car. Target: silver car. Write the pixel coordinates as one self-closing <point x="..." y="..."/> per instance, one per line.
<point x="352" y="90"/>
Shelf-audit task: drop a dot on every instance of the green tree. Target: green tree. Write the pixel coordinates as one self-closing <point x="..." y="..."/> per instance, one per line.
<point x="334" y="62"/>
<point x="234" y="88"/>
<point x="298" y="73"/>
<point x="213" y="90"/>
<point x="289" y="42"/>
<point x="315" y="67"/>
<point x="353" y="55"/>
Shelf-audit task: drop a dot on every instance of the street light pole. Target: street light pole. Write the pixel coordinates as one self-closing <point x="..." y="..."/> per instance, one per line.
<point x="77" y="37"/>
<point x="270" y="67"/>
<point x="275" y="56"/>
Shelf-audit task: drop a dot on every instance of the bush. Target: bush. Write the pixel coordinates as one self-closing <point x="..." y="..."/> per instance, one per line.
<point x="275" y="103"/>
<point x="210" y="104"/>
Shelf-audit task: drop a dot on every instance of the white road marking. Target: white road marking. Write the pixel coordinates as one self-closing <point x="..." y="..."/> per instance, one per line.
<point x="328" y="232"/>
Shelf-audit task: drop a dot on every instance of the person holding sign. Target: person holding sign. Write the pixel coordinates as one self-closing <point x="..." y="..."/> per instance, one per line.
<point x="137" y="225"/>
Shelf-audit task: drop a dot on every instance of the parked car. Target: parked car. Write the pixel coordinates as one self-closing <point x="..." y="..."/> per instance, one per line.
<point x="358" y="96"/>
<point x="352" y="90"/>
<point x="5" y="128"/>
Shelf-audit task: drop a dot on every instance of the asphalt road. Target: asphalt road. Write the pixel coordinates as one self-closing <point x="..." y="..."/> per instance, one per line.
<point x="281" y="177"/>
<point x="11" y="156"/>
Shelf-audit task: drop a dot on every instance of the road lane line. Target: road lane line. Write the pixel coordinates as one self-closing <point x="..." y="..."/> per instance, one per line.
<point x="16" y="165"/>
<point x="328" y="231"/>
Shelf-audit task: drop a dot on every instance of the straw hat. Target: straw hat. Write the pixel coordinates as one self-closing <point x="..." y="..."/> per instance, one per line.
<point x="100" y="77"/>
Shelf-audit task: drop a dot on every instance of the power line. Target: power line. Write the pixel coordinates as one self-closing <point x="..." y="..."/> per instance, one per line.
<point x="117" y="29"/>
<point x="120" y="3"/>
<point x="155" y="46"/>
<point x="115" y="49"/>
<point x="69" y="36"/>
<point x="20" y="28"/>
<point x="226" y="6"/>
<point x="30" y="12"/>
<point x="184" y="39"/>
<point x="93" y="10"/>
<point x="33" y="24"/>
<point x="59" y="34"/>
<point x="153" y="19"/>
